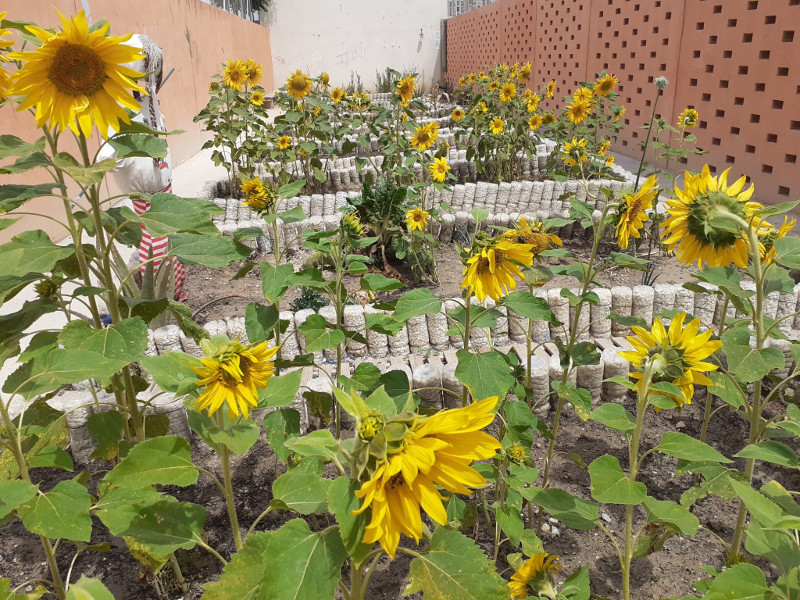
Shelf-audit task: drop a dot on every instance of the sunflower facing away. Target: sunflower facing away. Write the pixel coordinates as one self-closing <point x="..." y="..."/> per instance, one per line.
<point x="235" y="74"/>
<point x="578" y="111"/>
<point x="252" y="186"/>
<point x="619" y="113"/>
<point x="457" y="114"/>
<point x="688" y="118"/>
<point x="337" y="95"/>
<point x="76" y="78"/>
<point x="574" y="152"/>
<point x="676" y="355"/>
<point x="535" y="577"/>
<point x="524" y="73"/>
<point x="425" y="137"/>
<point x="405" y="89"/>
<point x="768" y="253"/>
<point x="492" y="272"/>
<point x="253" y="71"/>
<point x="497" y="125"/>
<point x="417" y="218"/>
<point x="298" y="85"/>
<point x="535" y="234"/>
<point x="325" y="79"/>
<point x="692" y="235"/>
<point x="436" y="450"/>
<point x="633" y="211"/>
<point x="439" y="169"/>
<point x="605" y="84"/>
<point x="233" y="374"/>
<point x="507" y="92"/>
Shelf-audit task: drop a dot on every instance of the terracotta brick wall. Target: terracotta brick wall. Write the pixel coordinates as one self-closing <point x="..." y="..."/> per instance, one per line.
<point x="734" y="61"/>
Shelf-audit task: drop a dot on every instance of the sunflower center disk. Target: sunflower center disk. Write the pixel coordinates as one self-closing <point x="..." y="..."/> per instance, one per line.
<point x="396" y="481"/>
<point x="77" y="70"/>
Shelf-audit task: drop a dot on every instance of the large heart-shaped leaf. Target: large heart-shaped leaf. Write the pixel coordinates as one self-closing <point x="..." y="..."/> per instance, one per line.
<point x="611" y="485"/>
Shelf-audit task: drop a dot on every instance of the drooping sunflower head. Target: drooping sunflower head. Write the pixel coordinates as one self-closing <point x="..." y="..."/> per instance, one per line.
<point x="337" y="95"/>
<point x="213" y="87"/>
<point x="497" y="125"/>
<point x="481" y="107"/>
<point x="325" y="79"/>
<point x="550" y="89"/>
<point x="605" y="84"/>
<point x="405" y="89"/>
<point x="260" y="198"/>
<point x="457" y="114"/>
<point x="604" y="147"/>
<point x="535" y="122"/>
<point x="578" y="111"/>
<point x="257" y="98"/>
<point x="298" y="85"/>
<point x="425" y="137"/>
<point x="439" y="169"/>
<point x="252" y="186"/>
<point x="78" y="78"/>
<point x="535" y="577"/>
<point x="417" y="219"/>
<point x="610" y="160"/>
<point x="524" y="73"/>
<point x="688" y="118"/>
<point x="235" y="74"/>
<point x="507" y="92"/>
<point x="492" y="271"/>
<point x="549" y="118"/>
<point x="232" y="374"/>
<point x="703" y="225"/>
<point x="768" y="252"/>
<point x="633" y="211"/>
<point x="619" y="112"/>
<point x="253" y="71"/>
<point x="536" y="235"/>
<point x="675" y="356"/>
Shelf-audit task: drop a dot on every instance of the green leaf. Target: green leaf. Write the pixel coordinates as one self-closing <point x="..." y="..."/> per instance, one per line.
<point x="86" y="176"/>
<point x="309" y="562"/>
<point x="614" y="416"/>
<point x="14" y="492"/>
<point x="778" y="547"/>
<point x="142" y="145"/>
<point x="11" y="145"/>
<point x="742" y="581"/>
<point x="773" y="452"/>
<point x="585" y="353"/>
<point x="623" y="381"/>
<point x="280" y="426"/>
<point x="31" y="252"/>
<point x="207" y="250"/>
<point x="305" y="493"/>
<point x="239" y="435"/>
<point x="63" y="512"/>
<point x="26" y="163"/>
<point x="124" y="341"/>
<point x="671" y="514"/>
<point x="87" y="588"/>
<point x="580" y="399"/>
<point x="379" y="283"/>
<point x="420" y="301"/>
<point x="569" y="509"/>
<point x="166" y="526"/>
<point x="749" y="364"/>
<point x="726" y="389"/>
<point x="485" y="374"/>
<point x="165" y="460"/>
<point x="576" y="587"/>
<point x="318" y="336"/>
<point x="686" y="447"/>
<point x="169" y="214"/>
<point x="342" y="501"/>
<point x="173" y="371"/>
<point x="290" y="190"/>
<point x="51" y="456"/>
<point x="611" y="485"/>
<point x="294" y="215"/>
<point x="15" y="195"/>
<point x="241" y="577"/>
<point x="509" y="519"/>
<point x="531" y="307"/>
<point x="260" y="321"/>
<point x="281" y="390"/>
<point x="628" y="262"/>
<point x="787" y="252"/>
<point x="317" y="443"/>
<point x="275" y="281"/>
<point x="454" y="568"/>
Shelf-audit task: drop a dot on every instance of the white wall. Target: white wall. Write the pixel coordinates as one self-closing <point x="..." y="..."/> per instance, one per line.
<point x="365" y="36"/>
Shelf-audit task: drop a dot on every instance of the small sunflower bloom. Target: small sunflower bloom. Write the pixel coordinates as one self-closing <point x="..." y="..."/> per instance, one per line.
<point x="425" y="137"/>
<point x="610" y="160"/>
<point x="675" y="355"/>
<point x="497" y="125"/>
<point x="284" y="142"/>
<point x="619" y="113"/>
<point x="604" y="147"/>
<point x="257" y="99"/>
<point x="77" y="79"/>
<point x="298" y="85"/>
<point x="688" y="118"/>
<point x="492" y="271"/>
<point x="473" y="77"/>
<point x="439" y="169"/>
<point x="232" y="374"/>
<point x="462" y="82"/>
<point x="507" y="92"/>
<point x="457" y="114"/>
<point x="584" y="93"/>
<point x="325" y="79"/>
<point x="524" y="73"/>
<point x="235" y="74"/>
<point x="550" y="89"/>
<point x="494" y="85"/>
<point x="405" y="89"/>
<point x="534" y="578"/>
<point x="253" y="71"/>
<point x="533" y="102"/>
<point x="578" y="111"/>
<point x="337" y="95"/>
<point x="482" y="107"/>
<point x="535" y="122"/>
<point x="633" y="211"/>
<point x="536" y="235"/>
<point x="549" y="118"/>
<point x="768" y="253"/>
<point x="417" y="219"/>
<point x="605" y="84"/>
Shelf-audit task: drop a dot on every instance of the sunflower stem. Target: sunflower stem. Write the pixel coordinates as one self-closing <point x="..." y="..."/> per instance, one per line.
<point x="647" y="140"/>
<point x="225" y="459"/>
<point x="467" y="326"/>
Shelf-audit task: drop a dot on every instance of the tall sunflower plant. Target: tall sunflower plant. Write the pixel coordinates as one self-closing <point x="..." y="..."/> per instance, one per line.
<point x="75" y="81"/>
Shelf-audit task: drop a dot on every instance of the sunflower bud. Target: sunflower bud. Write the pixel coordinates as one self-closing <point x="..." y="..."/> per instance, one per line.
<point x="369" y="426"/>
<point x="517" y="453"/>
<point x="47" y="289"/>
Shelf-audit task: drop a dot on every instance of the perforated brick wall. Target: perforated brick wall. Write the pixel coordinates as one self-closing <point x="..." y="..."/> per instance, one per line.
<point x="734" y="61"/>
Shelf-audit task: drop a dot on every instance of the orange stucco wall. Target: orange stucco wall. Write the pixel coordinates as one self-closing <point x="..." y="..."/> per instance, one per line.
<point x="734" y="61"/>
<point x="196" y="39"/>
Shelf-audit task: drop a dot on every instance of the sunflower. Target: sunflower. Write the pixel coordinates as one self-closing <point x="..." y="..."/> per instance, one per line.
<point x="253" y="71"/>
<point x="605" y="84"/>
<point x="524" y="73"/>
<point x="261" y="199"/>
<point x="235" y="73"/>
<point x="619" y="113"/>
<point x="232" y="374"/>
<point x="77" y="78"/>
<point x="578" y="111"/>
<point x="213" y="87"/>
<point x="457" y="114"/>
<point x="497" y="125"/>
<point x="252" y="187"/>
<point x="491" y="272"/>
<point x="604" y="147"/>
<point x="548" y="118"/>
<point x="689" y="230"/>
<point x="337" y="95"/>
<point x="257" y="98"/>
<point x="768" y="253"/>
<point x="473" y="77"/>
<point x="633" y="211"/>
<point x="508" y="91"/>
<point x="535" y="235"/>
<point x="436" y="450"/>
<point x="405" y="89"/>
<point x="481" y="106"/>
<point x="494" y="85"/>
<point x="550" y="89"/>
<point x="417" y="219"/>
<point x="284" y="142"/>
<point x="535" y="577"/>
<point x="533" y="102"/>
<point x="574" y="151"/>
<point x="610" y="160"/>
<point x="4" y="44"/>
<point x="351" y="224"/>
<point x="462" y="82"/>
<point x="425" y="137"/>
<point x="298" y="85"/>
<point x="325" y="79"/>
<point x="584" y="93"/>
<point x="439" y="169"/>
<point x="674" y="356"/>
<point x="535" y="122"/>
<point x="688" y="118"/>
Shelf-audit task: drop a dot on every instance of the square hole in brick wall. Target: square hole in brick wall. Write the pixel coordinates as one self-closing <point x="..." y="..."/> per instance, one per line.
<point x="709" y="68"/>
<point x="766" y="168"/>
<point x="772" y="138"/>
<point x="717" y="9"/>
<point x="763" y="54"/>
<point x="735" y="130"/>
<point x="696" y="54"/>
<point x="783" y="71"/>
<point x="794" y="125"/>
<point x="731" y="22"/>
<point x="706" y="97"/>
<point x="729" y="159"/>
<point x="723" y="83"/>
<point x="752" y="5"/>
<point x="760" y="87"/>
<point x="712" y="39"/>
<point x="783" y="190"/>
<point x="703" y="124"/>
<point x="738" y="101"/>
<point x="770" y="19"/>
<point x="693" y="82"/>
<point x="750" y="149"/>
<point x="747" y="38"/>
<point x="743" y="70"/>
<point x="716" y="141"/>
<point x="719" y="113"/>
<point x="790" y="158"/>
<point x="788" y="36"/>
<point x="727" y="54"/>
<point x="778" y="104"/>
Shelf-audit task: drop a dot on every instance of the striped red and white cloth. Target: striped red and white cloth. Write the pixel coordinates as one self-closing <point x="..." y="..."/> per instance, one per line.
<point x="159" y="248"/>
